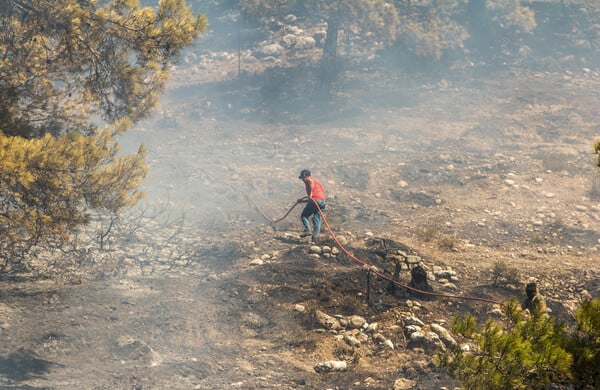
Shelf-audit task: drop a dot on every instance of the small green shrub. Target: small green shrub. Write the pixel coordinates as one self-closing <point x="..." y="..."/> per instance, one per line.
<point x="516" y="354"/>
<point x="584" y="345"/>
<point x="521" y="352"/>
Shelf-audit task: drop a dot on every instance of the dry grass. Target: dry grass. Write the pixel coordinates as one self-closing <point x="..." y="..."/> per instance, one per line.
<point x="555" y="162"/>
<point x="429" y="233"/>
<point x="351" y="305"/>
<point x="447" y="243"/>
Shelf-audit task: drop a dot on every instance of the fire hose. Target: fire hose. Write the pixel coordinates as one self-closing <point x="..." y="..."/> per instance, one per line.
<point x="368" y="266"/>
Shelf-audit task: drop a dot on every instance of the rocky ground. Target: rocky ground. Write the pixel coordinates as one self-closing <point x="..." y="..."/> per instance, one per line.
<point x="485" y="178"/>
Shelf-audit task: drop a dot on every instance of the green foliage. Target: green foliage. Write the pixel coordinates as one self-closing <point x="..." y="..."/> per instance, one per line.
<point x="584" y="345"/>
<point x="519" y="353"/>
<point x="48" y="183"/>
<point x="65" y="61"/>
<point x="597" y="150"/>
<point x="66" y="65"/>
<point x="527" y="352"/>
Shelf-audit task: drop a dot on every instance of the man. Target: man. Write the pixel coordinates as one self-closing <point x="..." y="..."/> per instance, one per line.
<point x="315" y="193"/>
<point x="535" y="302"/>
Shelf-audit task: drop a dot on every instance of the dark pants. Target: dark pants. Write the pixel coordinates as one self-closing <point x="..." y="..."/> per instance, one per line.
<point x="311" y="210"/>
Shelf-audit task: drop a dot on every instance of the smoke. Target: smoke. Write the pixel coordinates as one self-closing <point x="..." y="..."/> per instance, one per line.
<point x="247" y="109"/>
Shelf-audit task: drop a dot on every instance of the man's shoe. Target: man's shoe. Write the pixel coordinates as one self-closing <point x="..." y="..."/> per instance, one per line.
<point x="305" y="233"/>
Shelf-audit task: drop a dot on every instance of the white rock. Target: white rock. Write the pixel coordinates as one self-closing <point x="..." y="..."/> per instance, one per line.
<point x="373" y="327"/>
<point x="356" y="322"/>
<point x="274" y="50"/>
<point x="315" y="249"/>
<point x="351" y="340"/>
<point x="305" y="43"/>
<point x="444" y="334"/>
<point x="331" y="365"/>
<point x="404" y="384"/>
<point x="412" y="320"/>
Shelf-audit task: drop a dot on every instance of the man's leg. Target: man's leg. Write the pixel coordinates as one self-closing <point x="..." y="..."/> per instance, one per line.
<point x="318" y="220"/>
<point x="306" y="213"/>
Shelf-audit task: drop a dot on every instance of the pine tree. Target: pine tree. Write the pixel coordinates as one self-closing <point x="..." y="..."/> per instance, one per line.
<point x="519" y="353"/>
<point x="527" y="352"/>
<point x="75" y="74"/>
<point x="584" y="345"/>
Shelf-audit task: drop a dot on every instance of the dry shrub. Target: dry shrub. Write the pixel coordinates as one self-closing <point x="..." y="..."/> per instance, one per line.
<point x="504" y="274"/>
<point x="351" y="304"/>
<point x="428" y="233"/>
<point x="555" y="162"/>
<point x="447" y="243"/>
<point x="346" y="352"/>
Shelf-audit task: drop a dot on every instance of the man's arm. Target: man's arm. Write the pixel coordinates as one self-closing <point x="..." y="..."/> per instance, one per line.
<point x="311" y="185"/>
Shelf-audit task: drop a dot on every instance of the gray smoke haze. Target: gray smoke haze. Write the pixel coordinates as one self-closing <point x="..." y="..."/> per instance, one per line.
<point x="220" y="135"/>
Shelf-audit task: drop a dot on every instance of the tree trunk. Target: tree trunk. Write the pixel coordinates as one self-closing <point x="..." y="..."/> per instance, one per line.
<point x="331" y="40"/>
<point x="328" y="71"/>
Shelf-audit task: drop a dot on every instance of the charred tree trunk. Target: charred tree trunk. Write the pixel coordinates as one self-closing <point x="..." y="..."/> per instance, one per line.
<point x="331" y="40"/>
<point x="329" y="71"/>
<point x="418" y="280"/>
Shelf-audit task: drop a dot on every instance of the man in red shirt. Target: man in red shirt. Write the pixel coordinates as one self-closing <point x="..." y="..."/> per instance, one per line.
<point x="315" y="193"/>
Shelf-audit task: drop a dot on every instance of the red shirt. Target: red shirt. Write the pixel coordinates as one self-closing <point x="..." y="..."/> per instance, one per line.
<point x="318" y="193"/>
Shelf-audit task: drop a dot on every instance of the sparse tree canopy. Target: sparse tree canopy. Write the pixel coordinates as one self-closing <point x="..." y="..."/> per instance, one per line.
<point x="375" y="21"/>
<point x="69" y="67"/>
<point x="64" y="61"/>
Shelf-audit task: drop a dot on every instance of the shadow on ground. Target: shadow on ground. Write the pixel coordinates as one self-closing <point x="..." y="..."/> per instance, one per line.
<point x="23" y="365"/>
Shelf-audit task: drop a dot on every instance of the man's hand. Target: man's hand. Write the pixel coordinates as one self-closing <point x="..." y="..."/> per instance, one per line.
<point x="302" y="200"/>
